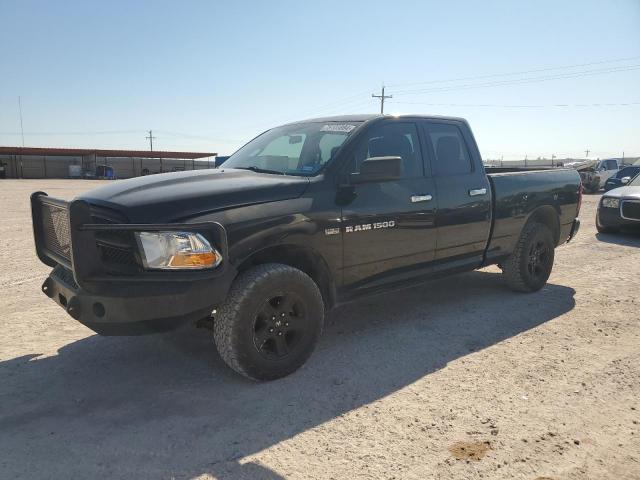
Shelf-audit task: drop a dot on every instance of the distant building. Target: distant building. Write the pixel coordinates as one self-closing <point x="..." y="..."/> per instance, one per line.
<point x="36" y="162"/>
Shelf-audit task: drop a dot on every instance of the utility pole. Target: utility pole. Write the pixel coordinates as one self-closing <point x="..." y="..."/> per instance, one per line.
<point x="553" y="157"/>
<point x="21" y="175"/>
<point x="21" y="128"/>
<point x="382" y="97"/>
<point x="150" y="138"/>
<point x="586" y="153"/>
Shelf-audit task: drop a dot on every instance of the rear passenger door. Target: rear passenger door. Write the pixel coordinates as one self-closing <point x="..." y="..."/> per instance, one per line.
<point x="463" y="218"/>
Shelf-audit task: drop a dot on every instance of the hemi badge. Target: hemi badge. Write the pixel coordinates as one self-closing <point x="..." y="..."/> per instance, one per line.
<point x="331" y="231"/>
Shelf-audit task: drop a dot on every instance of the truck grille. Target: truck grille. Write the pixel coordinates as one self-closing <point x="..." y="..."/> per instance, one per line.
<point x="55" y="230"/>
<point x="630" y="209"/>
<point x="116" y="247"/>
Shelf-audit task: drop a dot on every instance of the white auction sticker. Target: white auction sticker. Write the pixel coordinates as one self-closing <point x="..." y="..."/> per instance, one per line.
<point x="337" y="127"/>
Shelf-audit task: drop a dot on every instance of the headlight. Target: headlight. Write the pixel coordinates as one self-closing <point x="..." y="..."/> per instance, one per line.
<point x="176" y="250"/>
<point x="609" y="202"/>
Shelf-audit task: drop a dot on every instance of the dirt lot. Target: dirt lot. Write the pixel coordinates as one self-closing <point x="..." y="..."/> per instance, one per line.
<point x="459" y="378"/>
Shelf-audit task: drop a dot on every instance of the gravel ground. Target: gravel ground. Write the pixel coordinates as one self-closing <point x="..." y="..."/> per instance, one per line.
<point x="459" y="378"/>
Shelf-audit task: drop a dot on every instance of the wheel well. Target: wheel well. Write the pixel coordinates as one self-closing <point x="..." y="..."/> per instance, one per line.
<point x="305" y="259"/>
<point x="548" y="216"/>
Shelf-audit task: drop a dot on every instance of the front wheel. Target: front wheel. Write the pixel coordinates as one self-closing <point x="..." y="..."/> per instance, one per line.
<point x="270" y="322"/>
<point x="528" y="267"/>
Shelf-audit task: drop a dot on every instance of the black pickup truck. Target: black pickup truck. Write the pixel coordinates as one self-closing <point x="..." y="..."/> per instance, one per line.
<point x="303" y="217"/>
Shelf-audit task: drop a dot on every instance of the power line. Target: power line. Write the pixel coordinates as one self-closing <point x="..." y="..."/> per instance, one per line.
<point x="111" y="132"/>
<point x="542" y="78"/>
<point x="193" y="136"/>
<point x="556" y="105"/>
<point x="521" y="72"/>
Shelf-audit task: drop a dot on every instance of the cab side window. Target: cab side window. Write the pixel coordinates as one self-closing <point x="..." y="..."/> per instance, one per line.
<point x="611" y="165"/>
<point x="451" y="156"/>
<point x="392" y="140"/>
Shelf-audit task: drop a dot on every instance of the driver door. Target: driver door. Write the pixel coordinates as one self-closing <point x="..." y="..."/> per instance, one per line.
<point x="389" y="226"/>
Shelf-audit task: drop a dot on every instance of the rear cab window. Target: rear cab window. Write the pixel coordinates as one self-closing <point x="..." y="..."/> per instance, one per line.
<point x="450" y="153"/>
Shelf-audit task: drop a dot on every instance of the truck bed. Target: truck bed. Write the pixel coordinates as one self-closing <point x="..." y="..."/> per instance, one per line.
<point x="517" y="192"/>
<point x="492" y="169"/>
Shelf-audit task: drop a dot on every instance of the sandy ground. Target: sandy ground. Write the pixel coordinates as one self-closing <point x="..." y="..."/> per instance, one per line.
<point x="459" y="378"/>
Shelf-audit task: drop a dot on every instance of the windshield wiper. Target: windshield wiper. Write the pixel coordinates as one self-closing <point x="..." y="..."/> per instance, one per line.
<point x="253" y="168"/>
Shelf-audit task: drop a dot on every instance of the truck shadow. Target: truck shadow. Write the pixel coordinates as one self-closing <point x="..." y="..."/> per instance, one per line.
<point x="166" y="406"/>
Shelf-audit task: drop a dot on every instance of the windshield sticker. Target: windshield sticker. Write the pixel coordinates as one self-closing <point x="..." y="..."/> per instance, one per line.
<point x="337" y="127"/>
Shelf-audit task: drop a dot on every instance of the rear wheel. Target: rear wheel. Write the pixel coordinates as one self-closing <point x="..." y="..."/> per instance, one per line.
<point x="270" y="322"/>
<point x="528" y="268"/>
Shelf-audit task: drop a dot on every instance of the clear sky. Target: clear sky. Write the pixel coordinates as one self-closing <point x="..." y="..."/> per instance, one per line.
<point x="208" y="76"/>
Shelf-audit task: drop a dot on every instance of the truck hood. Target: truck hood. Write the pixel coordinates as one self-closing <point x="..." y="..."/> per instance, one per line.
<point x="170" y="197"/>
<point x="624" y="192"/>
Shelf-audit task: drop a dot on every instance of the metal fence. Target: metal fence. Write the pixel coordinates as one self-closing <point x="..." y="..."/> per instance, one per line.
<point x="42" y="166"/>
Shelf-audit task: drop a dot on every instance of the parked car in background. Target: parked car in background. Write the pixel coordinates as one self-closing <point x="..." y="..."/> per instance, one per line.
<point x="622" y="178"/>
<point x="589" y="178"/>
<point x="595" y="173"/>
<point x="619" y="208"/>
<point x="606" y="169"/>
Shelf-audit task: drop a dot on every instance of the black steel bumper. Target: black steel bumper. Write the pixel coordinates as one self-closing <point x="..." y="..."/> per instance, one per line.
<point x="114" y="301"/>
<point x="135" y="309"/>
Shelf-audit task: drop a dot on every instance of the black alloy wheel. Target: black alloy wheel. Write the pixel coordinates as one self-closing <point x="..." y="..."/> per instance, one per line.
<point x="270" y="321"/>
<point x="279" y="326"/>
<point x="539" y="258"/>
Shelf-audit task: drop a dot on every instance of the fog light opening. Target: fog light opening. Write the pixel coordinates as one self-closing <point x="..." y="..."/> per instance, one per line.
<point x="98" y="309"/>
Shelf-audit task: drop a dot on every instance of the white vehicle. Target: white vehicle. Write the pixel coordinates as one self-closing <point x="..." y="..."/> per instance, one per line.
<point x="606" y="169"/>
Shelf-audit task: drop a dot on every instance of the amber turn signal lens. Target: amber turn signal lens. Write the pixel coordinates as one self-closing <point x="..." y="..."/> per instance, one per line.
<point x="194" y="260"/>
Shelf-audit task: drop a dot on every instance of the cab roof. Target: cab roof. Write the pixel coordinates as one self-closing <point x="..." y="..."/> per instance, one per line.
<point x="368" y="117"/>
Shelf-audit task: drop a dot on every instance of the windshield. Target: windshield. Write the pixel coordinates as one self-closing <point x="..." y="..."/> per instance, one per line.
<point x="628" y="172"/>
<point x="635" y="182"/>
<point x="299" y="149"/>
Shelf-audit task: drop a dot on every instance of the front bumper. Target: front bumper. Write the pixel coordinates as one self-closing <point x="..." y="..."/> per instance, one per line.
<point x="611" y="217"/>
<point x="100" y="282"/>
<point x="135" y="310"/>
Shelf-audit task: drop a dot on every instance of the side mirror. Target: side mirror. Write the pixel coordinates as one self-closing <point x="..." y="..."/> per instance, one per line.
<point x="378" y="169"/>
<point x="625" y="180"/>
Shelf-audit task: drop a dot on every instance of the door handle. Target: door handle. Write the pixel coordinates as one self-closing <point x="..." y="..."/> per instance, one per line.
<point x="420" y="198"/>
<point x="477" y="191"/>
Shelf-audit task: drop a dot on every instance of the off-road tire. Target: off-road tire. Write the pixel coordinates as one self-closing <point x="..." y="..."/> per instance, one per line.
<point x="234" y="322"/>
<point x="517" y="268"/>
